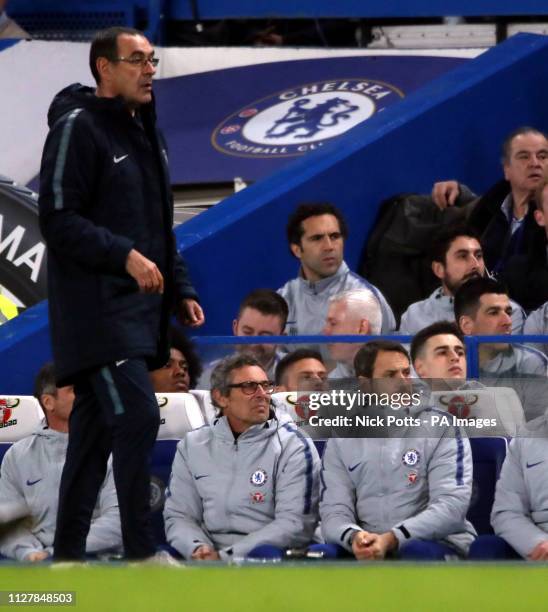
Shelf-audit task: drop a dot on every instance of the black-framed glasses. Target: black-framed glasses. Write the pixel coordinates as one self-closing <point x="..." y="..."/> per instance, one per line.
<point x="249" y="387"/>
<point x="139" y="61"/>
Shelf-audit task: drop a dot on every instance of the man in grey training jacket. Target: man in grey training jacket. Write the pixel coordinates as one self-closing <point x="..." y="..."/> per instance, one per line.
<point x="247" y="485"/>
<point x="316" y="235"/>
<point x="31" y="472"/>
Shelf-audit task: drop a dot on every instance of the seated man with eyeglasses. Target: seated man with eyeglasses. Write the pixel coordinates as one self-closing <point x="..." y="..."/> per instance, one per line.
<point x="246" y="485"/>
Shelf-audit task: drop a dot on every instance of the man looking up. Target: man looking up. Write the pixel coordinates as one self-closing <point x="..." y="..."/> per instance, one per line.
<point x="438" y="355"/>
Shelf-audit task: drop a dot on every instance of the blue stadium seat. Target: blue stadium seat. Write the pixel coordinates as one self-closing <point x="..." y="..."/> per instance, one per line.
<point x="488" y="456"/>
<point x="491" y="548"/>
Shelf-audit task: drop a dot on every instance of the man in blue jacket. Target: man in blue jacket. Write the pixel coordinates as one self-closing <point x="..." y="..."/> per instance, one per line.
<point x="114" y="277"/>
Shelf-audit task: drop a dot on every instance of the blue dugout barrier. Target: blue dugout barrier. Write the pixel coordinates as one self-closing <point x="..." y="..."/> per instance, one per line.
<point x="472" y="343"/>
<point x="452" y="128"/>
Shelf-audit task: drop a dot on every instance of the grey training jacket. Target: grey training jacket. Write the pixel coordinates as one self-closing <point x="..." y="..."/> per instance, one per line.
<point x="308" y="302"/>
<point x="439" y="307"/>
<point x="520" y="510"/>
<point x="31" y="472"/>
<point x="234" y="495"/>
<point x="416" y="487"/>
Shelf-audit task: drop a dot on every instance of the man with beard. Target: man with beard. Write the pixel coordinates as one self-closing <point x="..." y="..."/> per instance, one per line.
<point x="262" y="313"/>
<point x="457" y="256"/>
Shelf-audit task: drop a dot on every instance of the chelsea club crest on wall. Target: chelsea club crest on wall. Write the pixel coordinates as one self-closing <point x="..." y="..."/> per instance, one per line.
<point x="301" y="119"/>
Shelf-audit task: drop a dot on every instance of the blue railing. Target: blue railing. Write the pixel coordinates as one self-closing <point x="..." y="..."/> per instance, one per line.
<point x="472" y="343"/>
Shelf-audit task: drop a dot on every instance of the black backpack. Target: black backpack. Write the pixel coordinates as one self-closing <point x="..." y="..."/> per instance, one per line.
<point x="396" y="256"/>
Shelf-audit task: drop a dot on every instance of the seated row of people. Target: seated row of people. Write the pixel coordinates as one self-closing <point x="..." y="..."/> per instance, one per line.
<point x="480" y="305"/>
<point x="316" y="234"/>
<point x="30" y="474"/>
<point x="248" y="484"/>
<point x="507" y="216"/>
<point x="502" y="233"/>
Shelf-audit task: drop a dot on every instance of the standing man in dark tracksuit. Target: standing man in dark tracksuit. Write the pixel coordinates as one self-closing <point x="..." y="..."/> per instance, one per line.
<point x="115" y="278"/>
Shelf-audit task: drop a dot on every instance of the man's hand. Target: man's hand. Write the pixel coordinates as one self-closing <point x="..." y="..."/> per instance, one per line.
<point x="37" y="556"/>
<point x="205" y="553"/>
<point x="540" y="552"/>
<point x="191" y="313"/>
<point x="445" y="193"/>
<point x="145" y="272"/>
<point x="373" y="546"/>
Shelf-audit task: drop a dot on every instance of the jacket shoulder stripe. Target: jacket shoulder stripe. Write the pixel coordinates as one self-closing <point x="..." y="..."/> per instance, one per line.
<point x="459" y="476"/>
<point x="309" y="467"/>
<point x="62" y="158"/>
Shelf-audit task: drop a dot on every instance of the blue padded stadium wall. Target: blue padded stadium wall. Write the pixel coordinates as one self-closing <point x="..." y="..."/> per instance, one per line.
<point x="299" y="9"/>
<point x="452" y="128"/>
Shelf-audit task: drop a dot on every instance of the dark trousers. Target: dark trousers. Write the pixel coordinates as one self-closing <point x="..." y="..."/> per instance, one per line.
<point x="115" y="411"/>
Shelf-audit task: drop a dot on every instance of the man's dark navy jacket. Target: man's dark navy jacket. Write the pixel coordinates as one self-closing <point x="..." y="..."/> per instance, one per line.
<point x="104" y="190"/>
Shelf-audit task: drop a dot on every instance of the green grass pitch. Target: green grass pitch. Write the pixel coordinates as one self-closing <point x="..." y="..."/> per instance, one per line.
<point x="320" y="587"/>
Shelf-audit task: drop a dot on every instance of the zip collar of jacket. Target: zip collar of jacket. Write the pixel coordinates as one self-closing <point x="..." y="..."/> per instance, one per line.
<point x="446" y="300"/>
<point x="222" y="431"/>
<point x="315" y="287"/>
<point x="80" y="96"/>
<point x="504" y="361"/>
<point x="43" y="431"/>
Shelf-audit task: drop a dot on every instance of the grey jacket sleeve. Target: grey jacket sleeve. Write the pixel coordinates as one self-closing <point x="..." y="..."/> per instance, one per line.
<point x="105" y="532"/>
<point x="287" y="295"/>
<point x="388" y="319"/>
<point x="405" y="322"/>
<point x="337" y="498"/>
<point x="518" y="317"/>
<point x="183" y="510"/>
<point x="16" y="539"/>
<point x="450" y="489"/>
<point x="511" y="514"/>
<point x="296" y="507"/>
